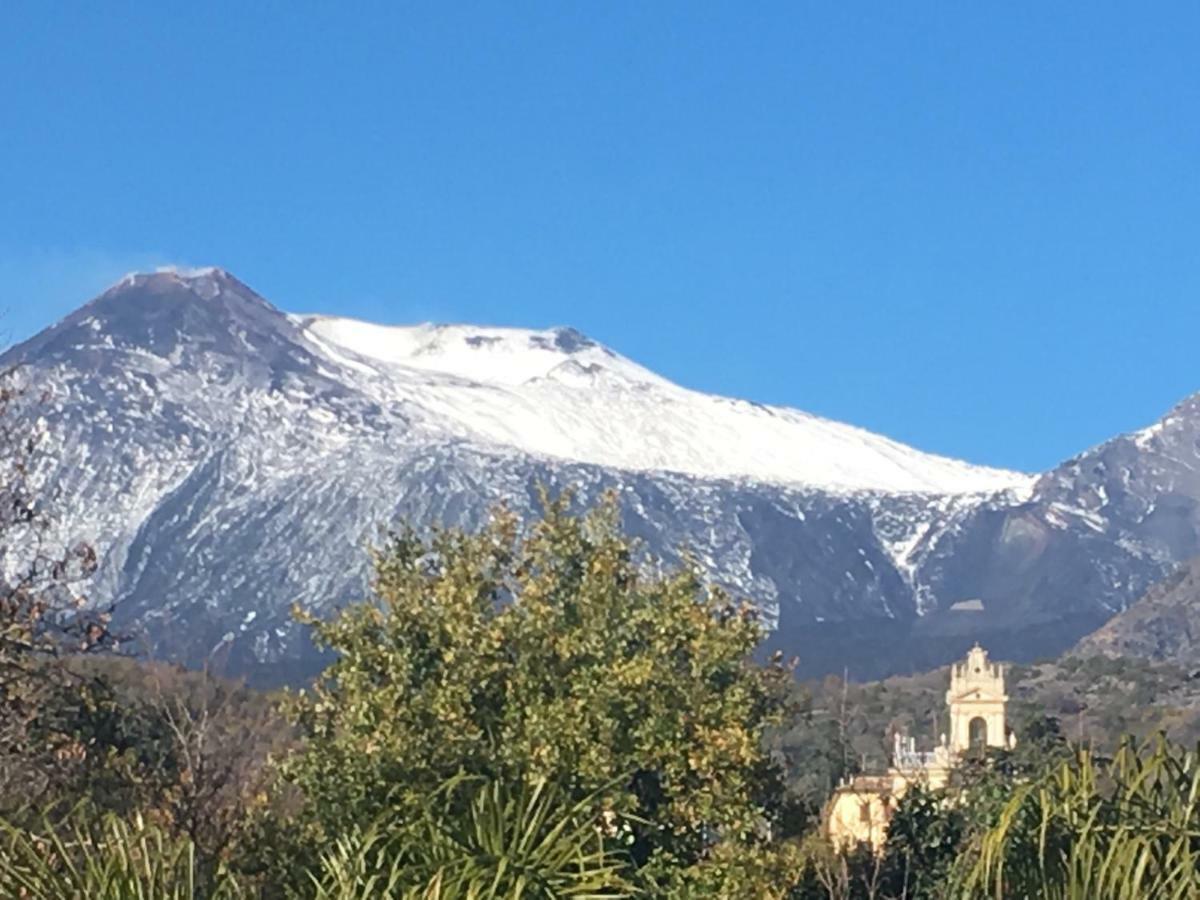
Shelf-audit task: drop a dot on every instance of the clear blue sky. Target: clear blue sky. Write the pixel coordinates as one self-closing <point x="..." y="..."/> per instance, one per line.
<point x="973" y="227"/>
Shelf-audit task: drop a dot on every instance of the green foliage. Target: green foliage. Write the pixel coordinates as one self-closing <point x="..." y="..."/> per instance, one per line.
<point x="1095" y="701"/>
<point x="817" y="753"/>
<point x="840" y="728"/>
<point x="478" y="840"/>
<point x="90" y="857"/>
<point x="1087" y="829"/>
<point x="1041" y="744"/>
<point x="554" y="656"/>
<point x="828" y="873"/>
<point x="923" y="841"/>
<point x="765" y="871"/>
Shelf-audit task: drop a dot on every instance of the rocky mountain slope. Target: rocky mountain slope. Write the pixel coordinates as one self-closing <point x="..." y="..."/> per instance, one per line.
<point x="229" y="460"/>
<point x="1163" y="625"/>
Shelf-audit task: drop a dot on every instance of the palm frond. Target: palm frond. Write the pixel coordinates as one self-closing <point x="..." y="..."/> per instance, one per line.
<point x="90" y="857"/>
<point x="1119" y="831"/>
<point x="479" y="840"/>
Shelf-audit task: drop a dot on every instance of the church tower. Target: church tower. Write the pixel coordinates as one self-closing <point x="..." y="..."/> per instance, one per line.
<point x="862" y="807"/>
<point x="977" y="703"/>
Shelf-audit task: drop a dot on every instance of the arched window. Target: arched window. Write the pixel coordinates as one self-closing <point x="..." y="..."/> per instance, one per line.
<point x="977" y="733"/>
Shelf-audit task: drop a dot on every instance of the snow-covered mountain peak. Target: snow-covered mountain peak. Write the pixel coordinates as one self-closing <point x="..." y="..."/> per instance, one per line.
<point x="486" y="355"/>
<point x="559" y="394"/>
<point x="207" y="281"/>
<point x="552" y="394"/>
<point x="229" y="459"/>
<point x="193" y="273"/>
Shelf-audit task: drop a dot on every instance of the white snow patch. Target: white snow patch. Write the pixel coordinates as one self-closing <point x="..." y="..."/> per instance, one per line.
<point x="1143" y="437"/>
<point x="188" y="272"/>
<point x="504" y="356"/>
<point x="555" y="393"/>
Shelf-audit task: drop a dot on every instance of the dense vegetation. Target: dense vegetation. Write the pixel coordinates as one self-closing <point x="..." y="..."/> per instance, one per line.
<point x="543" y="713"/>
<point x="839" y="728"/>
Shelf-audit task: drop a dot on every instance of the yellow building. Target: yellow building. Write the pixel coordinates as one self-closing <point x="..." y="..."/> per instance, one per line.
<point x="977" y="702"/>
<point x="861" y="807"/>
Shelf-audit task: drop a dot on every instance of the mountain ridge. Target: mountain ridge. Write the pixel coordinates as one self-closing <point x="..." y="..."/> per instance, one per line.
<point x="230" y="464"/>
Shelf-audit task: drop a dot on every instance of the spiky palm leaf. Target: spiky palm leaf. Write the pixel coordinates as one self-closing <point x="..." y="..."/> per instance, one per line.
<point x="89" y="857"/>
<point x="506" y="843"/>
<point x="1090" y="832"/>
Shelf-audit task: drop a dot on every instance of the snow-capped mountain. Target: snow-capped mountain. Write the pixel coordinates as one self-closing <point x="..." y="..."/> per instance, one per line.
<point x="229" y="459"/>
<point x="559" y="395"/>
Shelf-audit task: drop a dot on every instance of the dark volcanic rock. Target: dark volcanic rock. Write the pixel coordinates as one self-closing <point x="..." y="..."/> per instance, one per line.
<point x="1164" y="625"/>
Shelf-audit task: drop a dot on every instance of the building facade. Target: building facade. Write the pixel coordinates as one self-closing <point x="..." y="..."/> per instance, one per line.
<point x="861" y="807"/>
<point x="977" y="702"/>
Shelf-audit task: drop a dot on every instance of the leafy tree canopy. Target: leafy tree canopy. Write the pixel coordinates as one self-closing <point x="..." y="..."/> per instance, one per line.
<point x="552" y="654"/>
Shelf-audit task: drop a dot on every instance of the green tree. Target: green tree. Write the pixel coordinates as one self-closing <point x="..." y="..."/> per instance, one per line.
<point x="1041" y="744"/>
<point x="556" y="654"/>
<point x="923" y="841"/>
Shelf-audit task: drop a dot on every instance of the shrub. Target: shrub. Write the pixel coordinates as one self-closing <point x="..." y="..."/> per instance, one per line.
<point x="478" y="839"/>
<point x="1089" y="829"/>
<point x="104" y="857"/>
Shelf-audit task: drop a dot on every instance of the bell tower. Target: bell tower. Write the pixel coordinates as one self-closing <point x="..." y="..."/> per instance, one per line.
<point x="977" y="704"/>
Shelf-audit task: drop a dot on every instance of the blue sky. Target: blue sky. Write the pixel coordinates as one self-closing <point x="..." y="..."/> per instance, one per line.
<point x="972" y="227"/>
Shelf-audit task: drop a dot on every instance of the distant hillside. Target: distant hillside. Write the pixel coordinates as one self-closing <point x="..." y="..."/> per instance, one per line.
<point x="1096" y="699"/>
<point x="1163" y="625"/>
